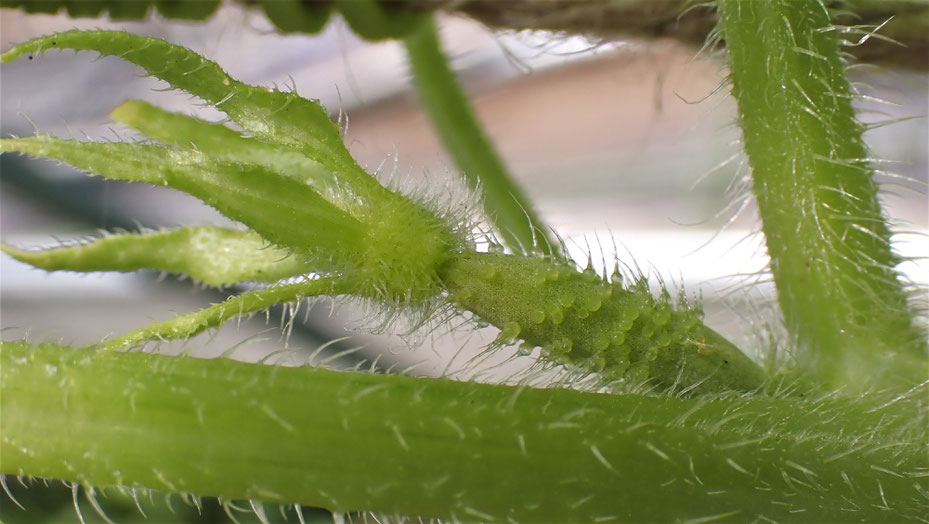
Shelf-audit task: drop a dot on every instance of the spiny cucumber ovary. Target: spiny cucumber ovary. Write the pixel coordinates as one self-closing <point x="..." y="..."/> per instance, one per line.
<point x="585" y="321"/>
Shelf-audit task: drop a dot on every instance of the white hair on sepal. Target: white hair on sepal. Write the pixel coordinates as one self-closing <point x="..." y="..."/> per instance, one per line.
<point x="446" y="194"/>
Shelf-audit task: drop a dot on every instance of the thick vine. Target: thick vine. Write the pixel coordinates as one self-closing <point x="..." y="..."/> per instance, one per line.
<point x="829" y="243"/>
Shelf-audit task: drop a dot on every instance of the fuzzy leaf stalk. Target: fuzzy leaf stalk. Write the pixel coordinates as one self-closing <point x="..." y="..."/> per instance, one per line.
<point x="842" y="298"/>
<point x="352" y="441"/>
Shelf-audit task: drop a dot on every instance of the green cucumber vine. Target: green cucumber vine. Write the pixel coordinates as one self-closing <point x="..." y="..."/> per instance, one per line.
<point x="828" y="241"/>
<point x="715" y="436"/>
<point x="455" y="450"/>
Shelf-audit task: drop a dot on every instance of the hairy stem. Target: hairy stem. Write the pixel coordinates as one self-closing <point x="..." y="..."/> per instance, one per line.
<point x="434" y="447"/>
<point x="827" y="238"/>
<point x="448" y="108"/>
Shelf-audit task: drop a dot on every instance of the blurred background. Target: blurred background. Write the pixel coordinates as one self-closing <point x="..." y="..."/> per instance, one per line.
<point x="625" y="148"/>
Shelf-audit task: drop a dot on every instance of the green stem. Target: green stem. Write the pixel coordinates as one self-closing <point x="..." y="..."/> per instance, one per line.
<point x="509" y="210"/>
<point x="829" y="243"/>
<point x="436" y="447"/>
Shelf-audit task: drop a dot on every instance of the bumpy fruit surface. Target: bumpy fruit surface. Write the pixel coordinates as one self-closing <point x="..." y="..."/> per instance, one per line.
<point x="597" y="325"/>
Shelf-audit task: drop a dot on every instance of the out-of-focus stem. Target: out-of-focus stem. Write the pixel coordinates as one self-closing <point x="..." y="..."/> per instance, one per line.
<point x="903" y="42"/>
<point x="450" y="112"/>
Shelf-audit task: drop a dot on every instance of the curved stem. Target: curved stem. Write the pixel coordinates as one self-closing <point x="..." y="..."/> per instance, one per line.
<point x="447" y="106"/>
<point x="827" y="237"/>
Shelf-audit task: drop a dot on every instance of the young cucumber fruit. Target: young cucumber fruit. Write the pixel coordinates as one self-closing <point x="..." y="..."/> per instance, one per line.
<point x="594" y="325"/>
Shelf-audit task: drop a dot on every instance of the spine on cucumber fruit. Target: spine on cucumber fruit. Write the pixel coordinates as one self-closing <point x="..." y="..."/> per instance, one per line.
<point x="597" y="325"/>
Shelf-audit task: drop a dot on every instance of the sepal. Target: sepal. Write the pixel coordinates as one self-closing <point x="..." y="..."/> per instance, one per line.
<point x="213" y="255"/>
